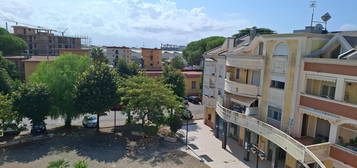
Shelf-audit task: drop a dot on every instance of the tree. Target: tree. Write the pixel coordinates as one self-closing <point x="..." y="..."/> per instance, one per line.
<point x="126" y="69"/>
<point x="10" y="44"/>
<point x="175" y="123"/>
<point x="174" y="79"/>
<point x="58" y="164"/>
<point x="177" y="62"/>
<point x="6" y="111"/>
<point x="96" y="90"/>
<point x="147" y="99"/>
<point x="60" y="76"/>
<point x="32" y="101"/>
<point x="9" y="66"/>
<point x="194" y="50"/>
<point x="246" y="31"/>
<point x="5" y="82"/>
<point x="97" y="55"/>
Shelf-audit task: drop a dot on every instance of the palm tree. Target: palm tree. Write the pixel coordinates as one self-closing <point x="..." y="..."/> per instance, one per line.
<point x="97" y="55"/>
<point x="58" y="164"/>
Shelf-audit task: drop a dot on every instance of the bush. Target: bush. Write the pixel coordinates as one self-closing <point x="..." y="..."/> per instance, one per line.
<point x="80" y="164"/>
<point x="58" y="164"/>
<point x="174" y="122"/>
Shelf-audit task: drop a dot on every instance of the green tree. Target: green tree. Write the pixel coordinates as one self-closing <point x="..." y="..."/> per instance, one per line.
<point x="32" y="101"/>
<point x="5" y="82"/>
<point x="147" y="99"/>
<point x="97" y="55"/>
<point x="174" y="79"/>
<point x="125" y="69"/>
<point x="246" y="31"/>
<point x="177" y="62"/>
<point x="175" y="123"/>
<point x="96" y="90"/>
<point x="80" y="164"/>
<point x="10" y="44"/>
<point x="6" y="111"/>
<point x="194" y="50"/>
<point x="9" y="66"/>
<point x="60" y="76"/>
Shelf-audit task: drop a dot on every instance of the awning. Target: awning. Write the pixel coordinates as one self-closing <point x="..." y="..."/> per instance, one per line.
<point x="320" y="114"/>
<point x="245" y="101"/>
<point x="322" y="78"/>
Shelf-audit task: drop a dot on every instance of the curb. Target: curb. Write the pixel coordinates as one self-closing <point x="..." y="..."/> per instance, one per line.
<point x="26" y="140"/>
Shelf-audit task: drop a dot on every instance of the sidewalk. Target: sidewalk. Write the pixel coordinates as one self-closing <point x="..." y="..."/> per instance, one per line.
<point x="203" y="137"/>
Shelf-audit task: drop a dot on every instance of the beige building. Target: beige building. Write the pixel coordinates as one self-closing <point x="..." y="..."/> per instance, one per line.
<point x="291" y="97"/>
<point x="113" y="53"/>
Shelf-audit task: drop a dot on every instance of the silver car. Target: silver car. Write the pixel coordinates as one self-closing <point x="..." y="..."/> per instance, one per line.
<point x="90" y="121"/>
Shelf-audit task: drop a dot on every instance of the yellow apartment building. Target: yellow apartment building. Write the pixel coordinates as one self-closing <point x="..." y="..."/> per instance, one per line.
<point x="289" y="98"/>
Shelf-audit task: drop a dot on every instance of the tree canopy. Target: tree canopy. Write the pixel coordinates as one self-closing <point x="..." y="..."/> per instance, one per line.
<point x="9" y="66"/>
<point x="60" y="77"/>
<point x="6" y="111"/>
<point x="147" y="99"/>
<point x="246" y="31"/>
<point x="97" y="55"/>
<point x="10" y="44"/>
<point x="126" y="69"/>
<point x="177" y="62"/>
<point x="32" y="101"/>
<point x="194" y="50"/>
<point x="96" y="90"/>
<point x="174" y="79"/>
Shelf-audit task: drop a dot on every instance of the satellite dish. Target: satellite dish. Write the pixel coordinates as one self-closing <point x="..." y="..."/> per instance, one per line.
<point x="326" y="17"/>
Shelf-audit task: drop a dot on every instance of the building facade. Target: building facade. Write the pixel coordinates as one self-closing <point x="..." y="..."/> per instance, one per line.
<point x="152" y="58"/>
<point x="289" y="96"/>
<point x="42" y="42"/>
<point x="113" y="53"/>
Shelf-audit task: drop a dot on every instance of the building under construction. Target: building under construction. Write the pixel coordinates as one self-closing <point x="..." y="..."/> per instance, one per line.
<point x="44" y="42"/>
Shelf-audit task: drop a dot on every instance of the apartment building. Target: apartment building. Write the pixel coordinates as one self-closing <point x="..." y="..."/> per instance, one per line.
<point x="42" y="42"/>
<point x="152" y="58"/>
<point x="113" y="53"/>
<point x="287" y="99"/>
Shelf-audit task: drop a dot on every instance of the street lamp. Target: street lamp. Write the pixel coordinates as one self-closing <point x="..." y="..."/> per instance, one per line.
<point x="255" y="150"/>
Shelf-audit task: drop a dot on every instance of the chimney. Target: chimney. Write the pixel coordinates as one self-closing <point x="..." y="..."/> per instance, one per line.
<point x="252" y="33"/>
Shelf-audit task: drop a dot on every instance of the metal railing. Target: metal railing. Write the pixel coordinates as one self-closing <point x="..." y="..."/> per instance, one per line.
<point x="278" y="137"/>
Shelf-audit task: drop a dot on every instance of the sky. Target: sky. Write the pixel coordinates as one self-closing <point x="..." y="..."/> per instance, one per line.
<point x="148" y="23"/>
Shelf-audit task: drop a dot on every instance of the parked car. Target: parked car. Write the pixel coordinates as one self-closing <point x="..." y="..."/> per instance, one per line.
<point x="185" y="101"/>
<point x="194" y="99"/>
<point x="187" y="115"/>
<point x="12" y="128"/>
<point x="38" y="129"/>
<point x="90" y="121"/>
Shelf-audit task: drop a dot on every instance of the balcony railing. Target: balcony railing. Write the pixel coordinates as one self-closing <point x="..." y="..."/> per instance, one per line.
<point x="330" y="106"/>
<point x="321" y="151"/>
<point x="278" y="137"/>
<point x="241" y="88"/>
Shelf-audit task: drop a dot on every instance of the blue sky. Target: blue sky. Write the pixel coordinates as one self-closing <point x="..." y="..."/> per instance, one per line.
<point x="151" y="22"/>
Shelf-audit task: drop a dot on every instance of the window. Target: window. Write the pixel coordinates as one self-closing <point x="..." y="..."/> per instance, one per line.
<point x="193" y="84"/>
<point x="116" y="52"/>
<point x="219" y="92"/>
<point x="277" y="84"/>
<point x="281" y="50"/>
<point x="237" y="74"/>
<point x="260" y="50"/>
<point x="274" y="113"/>
<point x="328" y="91"/>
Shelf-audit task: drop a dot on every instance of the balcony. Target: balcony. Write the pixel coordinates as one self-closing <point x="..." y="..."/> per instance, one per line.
<point x="321" y="151"/>
<point x="278" y="137"/>
<point x="330" y="106"/>
<point x="241" y="88"/>
<point x="248" y="62"/>
<point x="344" y="155"/>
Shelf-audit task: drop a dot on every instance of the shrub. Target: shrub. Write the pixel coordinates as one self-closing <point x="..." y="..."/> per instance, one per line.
<point x="174" y="122"/>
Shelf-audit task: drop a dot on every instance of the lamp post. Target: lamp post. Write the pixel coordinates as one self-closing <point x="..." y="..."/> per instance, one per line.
<point x="255" y="150"/>
<point x="187" y="132"/>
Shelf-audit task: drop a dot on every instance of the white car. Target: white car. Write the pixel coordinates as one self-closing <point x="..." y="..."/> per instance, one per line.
<point x="90" y="121"/>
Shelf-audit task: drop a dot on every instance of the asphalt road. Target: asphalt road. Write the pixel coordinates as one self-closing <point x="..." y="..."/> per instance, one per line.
<point x="108" y="120"/>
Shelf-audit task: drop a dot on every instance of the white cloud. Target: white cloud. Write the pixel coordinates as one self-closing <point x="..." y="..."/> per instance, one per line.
<point x="123" y="22"/>
<point x="347" y="27"/>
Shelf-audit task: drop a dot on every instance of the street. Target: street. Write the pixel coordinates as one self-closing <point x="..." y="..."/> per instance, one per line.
<point x="108" y="120"/>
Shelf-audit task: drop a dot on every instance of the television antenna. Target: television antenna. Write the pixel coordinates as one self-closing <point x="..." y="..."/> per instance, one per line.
<point x="313" y="6"/>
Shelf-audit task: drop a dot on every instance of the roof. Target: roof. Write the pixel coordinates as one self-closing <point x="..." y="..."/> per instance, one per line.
<point x="352" y="40"/>
<point x="15" y="57"/>
<point x="41" y="58"/>
<point x="122" y="47"/>
<point x="150" y="49"/>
